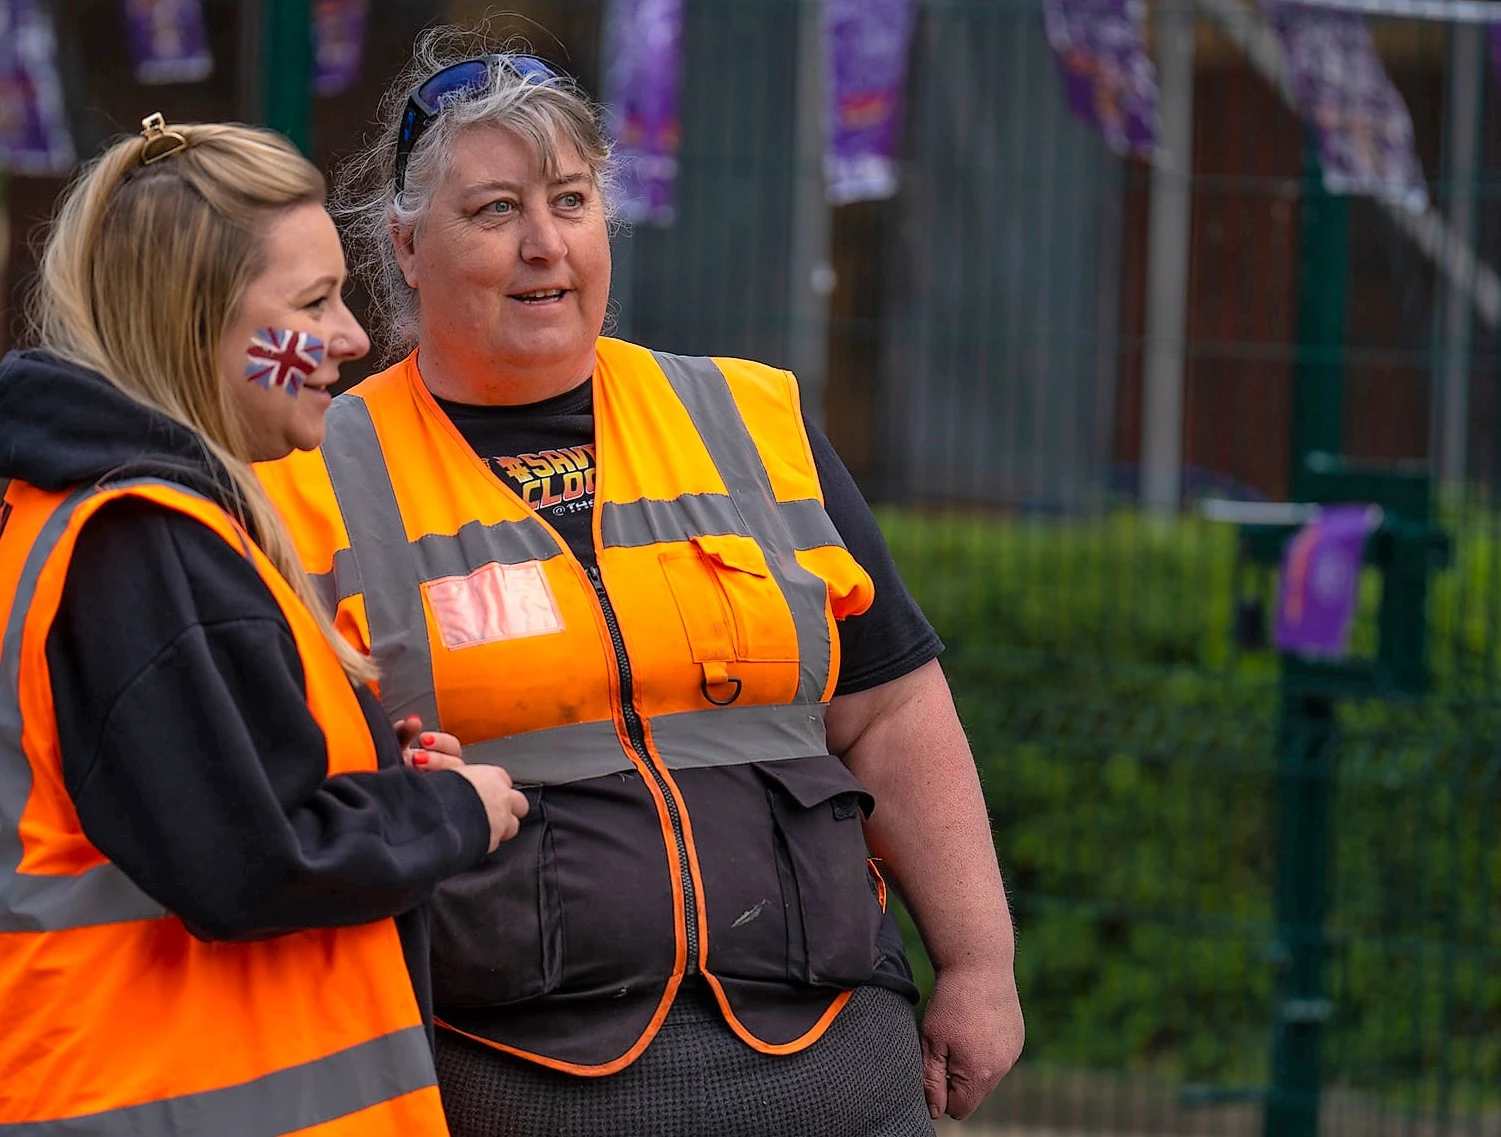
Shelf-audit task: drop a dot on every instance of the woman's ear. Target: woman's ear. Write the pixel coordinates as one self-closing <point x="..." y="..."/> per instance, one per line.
<point x="404" y="242"/>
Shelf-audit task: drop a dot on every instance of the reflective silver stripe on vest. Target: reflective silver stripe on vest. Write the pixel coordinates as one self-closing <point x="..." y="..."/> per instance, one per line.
<point x="705" y="392"/>
<point x="724" y="736"/>
<point x="630" y="525"/>
<point x="390" y="570"/>
<point x="286" y="1101"/>
<point x="388" y="575"/>
<point x="36" y="903"/>
<point x="341" y="582"/>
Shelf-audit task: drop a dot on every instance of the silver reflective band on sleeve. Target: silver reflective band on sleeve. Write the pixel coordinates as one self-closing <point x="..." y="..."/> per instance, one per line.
<point x="631" y="525"/>
<point x="286" y="1101"/>
<point x="705" y="393"/>
<point x="722" y="736"/>
<point x="30" y="902"/>
<point x="341" y="582"/>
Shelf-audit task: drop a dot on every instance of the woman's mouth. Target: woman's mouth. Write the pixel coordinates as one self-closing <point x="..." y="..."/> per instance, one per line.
<point x="540" y="295"/>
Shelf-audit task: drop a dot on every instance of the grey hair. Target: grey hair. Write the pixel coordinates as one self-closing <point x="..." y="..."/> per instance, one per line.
<point x="365" y="201"/>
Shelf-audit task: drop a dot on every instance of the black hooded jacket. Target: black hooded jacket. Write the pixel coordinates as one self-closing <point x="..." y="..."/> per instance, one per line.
<point x="187" y="743"/>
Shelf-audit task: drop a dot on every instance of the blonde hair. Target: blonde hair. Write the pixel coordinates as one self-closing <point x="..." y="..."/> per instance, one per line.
<point x="144" y="270"/>
<point x="365" y="199"/>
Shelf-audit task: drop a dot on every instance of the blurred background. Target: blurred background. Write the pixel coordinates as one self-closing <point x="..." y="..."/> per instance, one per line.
<point x="1110" y="308"/>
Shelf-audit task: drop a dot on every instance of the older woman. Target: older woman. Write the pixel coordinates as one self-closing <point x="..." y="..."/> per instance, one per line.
<point x="644" y="586"/>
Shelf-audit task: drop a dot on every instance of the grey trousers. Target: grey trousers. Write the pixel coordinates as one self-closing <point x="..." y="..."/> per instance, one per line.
<point x="863" y="1078"/>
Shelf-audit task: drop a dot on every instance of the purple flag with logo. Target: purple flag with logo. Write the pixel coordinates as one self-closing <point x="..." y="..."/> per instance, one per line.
<point x="1364" y="131"/>
<point x="865" y="48"/>
<point x="338" y="38"/>
<point x="1108" y="76"/>
<point x="34" y="136"/>
<point x="168" y="41"/>
<point x="1321" y="581"/>
<point x="643" y="62"/>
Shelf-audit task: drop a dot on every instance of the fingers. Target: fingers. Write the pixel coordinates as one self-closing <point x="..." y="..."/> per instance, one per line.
<point x="964" y="1096"/>
<point x="934" y="1081"/>
<point x="432" y="760"/>
<point x="407" y="730"/>
<point x="442" y="742"/>
<point x="433" y="750"/>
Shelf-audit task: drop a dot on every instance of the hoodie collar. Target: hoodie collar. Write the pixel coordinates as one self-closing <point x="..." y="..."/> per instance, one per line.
<point x="62" y="425"/>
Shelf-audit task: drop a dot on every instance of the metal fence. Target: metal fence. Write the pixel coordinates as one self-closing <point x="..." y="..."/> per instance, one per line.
<point x="1250" y="898"/>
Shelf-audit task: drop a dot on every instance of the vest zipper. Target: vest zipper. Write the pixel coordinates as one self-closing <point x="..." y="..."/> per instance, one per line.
<point x="637" y="734"/>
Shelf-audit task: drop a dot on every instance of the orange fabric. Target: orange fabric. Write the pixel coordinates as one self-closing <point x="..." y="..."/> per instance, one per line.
<point x="114" y="1015"/>
<point x="694" y="613"/>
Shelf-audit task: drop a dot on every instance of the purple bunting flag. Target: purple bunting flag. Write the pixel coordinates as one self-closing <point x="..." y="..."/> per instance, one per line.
<point x="1108" y="77"/>
<point x="865" y="70"/>
<point x="168" y="41"/>
<point x="643" y="62"/>
<point x="1321" y="582"/>
<point x="338" y="39"/>
<point x="1364" y="131"/>
<point x="34" y="136"/>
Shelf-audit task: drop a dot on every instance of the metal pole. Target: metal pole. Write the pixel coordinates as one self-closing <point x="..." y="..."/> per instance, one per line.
<point x="811" y="275"/>
<point x="1167" y="263"/>
<point x="1462" y="143"/>
<point x="1305" y="784"/>
<point x="286" y="69"/>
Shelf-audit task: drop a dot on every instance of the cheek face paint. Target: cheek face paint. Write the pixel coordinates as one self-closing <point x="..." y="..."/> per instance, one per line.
<point x="280" y="357"/>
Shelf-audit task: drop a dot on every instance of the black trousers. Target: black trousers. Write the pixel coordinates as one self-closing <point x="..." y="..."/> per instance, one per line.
<point x="863" y="1078"/>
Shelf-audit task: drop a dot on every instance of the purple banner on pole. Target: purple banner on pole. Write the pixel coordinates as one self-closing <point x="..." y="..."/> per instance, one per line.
<point x="338" y="40"/>
<point x="34" y="136"/>
<point x="643" y="62"/>
<point x="1321" y="581"/>
<point x="168" y="41"/>
<point x="1364" y="131"/>
<point x="865" y="48"/>
<point x="1108" y="76"/>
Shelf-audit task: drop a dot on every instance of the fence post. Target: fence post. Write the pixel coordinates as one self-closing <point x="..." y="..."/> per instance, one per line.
<point x="1305" y="782"/>
<point x="286" y="69"/>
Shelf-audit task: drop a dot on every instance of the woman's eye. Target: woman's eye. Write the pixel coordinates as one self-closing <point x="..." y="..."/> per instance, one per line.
<point x="500" y="206"/>
<point x="571" y="200"/>
<point x="317" y="305"/>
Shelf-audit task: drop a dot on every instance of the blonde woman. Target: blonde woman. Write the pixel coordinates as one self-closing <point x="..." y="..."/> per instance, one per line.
<point x="211" y="852"/>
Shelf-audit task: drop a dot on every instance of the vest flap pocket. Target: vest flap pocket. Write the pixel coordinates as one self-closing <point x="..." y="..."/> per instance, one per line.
<point x="701" y="605"/>
<point x="733" y="551"/>
<point x="497" y="930"/>
<point x="813" y="782"/>
<point x="815" y="808"/>
<point x="731" y="605"/>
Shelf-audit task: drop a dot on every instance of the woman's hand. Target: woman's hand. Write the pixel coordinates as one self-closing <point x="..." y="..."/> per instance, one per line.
<point x="436" y="750"/>
<point x="504" y="806"/>
<point x="427" y="749"/>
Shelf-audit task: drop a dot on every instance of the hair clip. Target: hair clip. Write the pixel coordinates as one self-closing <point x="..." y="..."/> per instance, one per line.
<point x="160" y="142"/>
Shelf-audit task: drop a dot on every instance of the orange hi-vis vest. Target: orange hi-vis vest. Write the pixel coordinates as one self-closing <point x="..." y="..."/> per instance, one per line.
<point x="665" y="710"/>
<point x="117" y="1020"/>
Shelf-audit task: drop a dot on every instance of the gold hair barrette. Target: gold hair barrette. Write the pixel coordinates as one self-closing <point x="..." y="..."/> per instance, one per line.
<point x="160" y="142"/>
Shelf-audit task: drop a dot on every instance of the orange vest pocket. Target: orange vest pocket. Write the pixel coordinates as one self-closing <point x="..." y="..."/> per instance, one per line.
<point x="732" y="607"/>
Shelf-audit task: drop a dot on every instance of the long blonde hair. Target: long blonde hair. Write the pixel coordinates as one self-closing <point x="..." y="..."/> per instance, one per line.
<point x="144" y="270"/>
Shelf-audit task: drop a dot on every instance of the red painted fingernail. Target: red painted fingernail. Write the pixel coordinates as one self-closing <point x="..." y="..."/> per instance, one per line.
<point x="428" y="740"/>
<point x="419" y="758"/>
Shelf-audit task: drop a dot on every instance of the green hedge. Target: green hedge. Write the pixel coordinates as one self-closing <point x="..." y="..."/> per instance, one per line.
<point x="1129" y="759"/>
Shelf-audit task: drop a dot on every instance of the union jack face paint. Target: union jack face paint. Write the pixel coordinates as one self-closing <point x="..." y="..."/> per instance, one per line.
<point x="280" y="357"/>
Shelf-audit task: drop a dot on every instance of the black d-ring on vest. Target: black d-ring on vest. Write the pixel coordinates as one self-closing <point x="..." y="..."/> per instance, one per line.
<point x="703" y="685"/>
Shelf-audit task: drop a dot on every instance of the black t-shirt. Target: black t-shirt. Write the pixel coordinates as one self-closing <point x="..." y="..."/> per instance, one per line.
<point x="545" y="452"/>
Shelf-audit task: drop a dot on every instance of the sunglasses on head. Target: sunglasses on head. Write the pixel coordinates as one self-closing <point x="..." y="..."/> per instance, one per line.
<point x="443" y="88"/>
